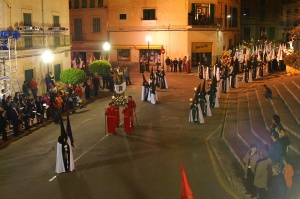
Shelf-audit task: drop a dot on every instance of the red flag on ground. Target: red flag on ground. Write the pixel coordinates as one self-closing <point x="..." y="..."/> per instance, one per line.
<point x="186" y="191"/>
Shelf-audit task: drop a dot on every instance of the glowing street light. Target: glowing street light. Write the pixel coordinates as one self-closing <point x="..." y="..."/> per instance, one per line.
<point x="47" y="57"/>
<point x="106" y="47"/>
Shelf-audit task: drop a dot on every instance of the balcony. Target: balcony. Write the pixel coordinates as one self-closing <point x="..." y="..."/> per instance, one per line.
<point x="27" y="42"/>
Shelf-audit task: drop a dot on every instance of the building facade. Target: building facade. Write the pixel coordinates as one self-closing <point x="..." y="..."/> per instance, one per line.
<point x="262" y="19"/>
<point x="43" y="25"/>
<point x="198" y="29"/>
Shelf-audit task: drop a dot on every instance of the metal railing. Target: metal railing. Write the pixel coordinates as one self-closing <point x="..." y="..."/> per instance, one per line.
<point x="43" y="41"/>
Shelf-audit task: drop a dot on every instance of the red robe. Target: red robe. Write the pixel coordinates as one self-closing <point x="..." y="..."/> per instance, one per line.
<point x="131" y="104"/>
<point x="128" y="120"/>
<point x="117" y="115"/>
<point x="110" y="118"/>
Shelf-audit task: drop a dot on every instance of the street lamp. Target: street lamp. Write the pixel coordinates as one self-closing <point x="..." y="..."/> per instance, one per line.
<point x="148" y="39"/>
<point x="47" y="58"/>
<point x="106" y="47"/>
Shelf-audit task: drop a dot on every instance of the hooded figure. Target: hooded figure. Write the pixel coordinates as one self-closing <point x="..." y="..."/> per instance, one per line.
<point x="64" y="154"/>
<point x="145" y="89"/>
<point x="163" y="80"/>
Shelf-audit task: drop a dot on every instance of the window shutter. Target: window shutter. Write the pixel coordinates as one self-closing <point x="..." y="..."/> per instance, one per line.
<point x="212" y="13"/>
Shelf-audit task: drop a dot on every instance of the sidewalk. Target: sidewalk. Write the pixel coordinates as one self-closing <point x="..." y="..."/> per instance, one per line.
<point x="11" y="138"/>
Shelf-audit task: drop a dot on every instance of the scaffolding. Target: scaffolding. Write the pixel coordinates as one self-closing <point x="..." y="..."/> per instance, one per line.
<point x="9" y="65"/>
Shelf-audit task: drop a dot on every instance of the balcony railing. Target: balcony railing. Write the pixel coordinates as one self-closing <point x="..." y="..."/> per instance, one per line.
<point x="27" y="42"/>
<point x="289" y="23"/>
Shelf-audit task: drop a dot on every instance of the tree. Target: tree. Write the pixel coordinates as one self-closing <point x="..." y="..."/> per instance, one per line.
<point x="72" y="76"/>
<point x="102" y="67"/>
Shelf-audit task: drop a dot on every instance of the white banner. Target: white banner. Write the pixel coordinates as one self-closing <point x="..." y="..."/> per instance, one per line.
<point x="120" y="88"/>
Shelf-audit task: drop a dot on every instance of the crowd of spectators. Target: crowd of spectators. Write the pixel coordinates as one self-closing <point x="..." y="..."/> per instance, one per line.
<point x="268" y="173"/>
<point x="27" y="109"/>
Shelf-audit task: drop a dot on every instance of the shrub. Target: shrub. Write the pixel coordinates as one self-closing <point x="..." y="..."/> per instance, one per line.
<point x="102" y="67"/>
<point x="72" y="76"/>
<point x="292" y="60"/>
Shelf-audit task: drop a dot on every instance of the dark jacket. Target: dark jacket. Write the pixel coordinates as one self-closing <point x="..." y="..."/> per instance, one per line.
<point x="275" y="151"/>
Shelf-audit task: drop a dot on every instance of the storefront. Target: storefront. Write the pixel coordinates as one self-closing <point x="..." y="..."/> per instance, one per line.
<point x="201" y="53"/>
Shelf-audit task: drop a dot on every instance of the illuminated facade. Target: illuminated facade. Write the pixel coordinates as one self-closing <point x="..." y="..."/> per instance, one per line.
<point x="194" y="29"/>
<point x="43" y="25"/>
<point x="261" y="19"/>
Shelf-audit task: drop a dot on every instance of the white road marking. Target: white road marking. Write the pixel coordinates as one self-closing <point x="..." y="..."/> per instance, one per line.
<point x="52" y="178"/>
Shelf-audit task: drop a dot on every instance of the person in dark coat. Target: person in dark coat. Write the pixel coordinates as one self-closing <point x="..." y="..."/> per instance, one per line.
<point x="263" y="173"/>
<point x="3" y="124"/>
<point x="276" y="126"/>
<point x="284" y="141"/>
<point x="14" y="117"/>
<point x="96" y="82"/>
<point x="175" y="63"/>
<point x="250" y="160"/>
<point x="278" y="186"/>
<point x="275" y="149"/>
<point x="25" y="89"/>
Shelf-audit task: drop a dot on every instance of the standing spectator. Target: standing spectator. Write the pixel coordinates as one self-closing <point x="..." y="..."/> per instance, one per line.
<point x="2" y="93"/>
<point x="127" y="76"/>
<point x="25" y="116"/>
<point x="3" y="124"/>
<point x="105" y="81"/>
<point x="71" y="97"/>
<point x="16" y="97"/>
<point x="48" y="105"/>
<point x="55" y="107"/>
<point x="33" y="87"/>
<point x="25" y="89"/>
<point x="276" y="126"/>
<point x="284" y="141"/>
<point x="39" y="110"/>
<point x="168" y="62"/>
<point x="180" y="65"/>
<point x="87" y="88"/>
<point x="263" y="174"/>
<point x="32" y="111"/>
<point x="171" y="66"/>
<point x="14" y="117"/>
<point x="278" y="186"/>
<point x="288" y="173"/>
<point x="52" y="78"/>
<point x="275" y="149"/>
<point x="92" y="88"/>
<point x="268" y="93"/>
<point x="48" y="82"/>
<point x="4" y="102"/>
<point x="8" y="110"/>
<point x="128" y="119"/>
<point x="250" y="160"/>
<point x="175" y="64"/>
<point x="96" y="82"/>
<point x="184" y="63"/>
<point x="78" y="90"/>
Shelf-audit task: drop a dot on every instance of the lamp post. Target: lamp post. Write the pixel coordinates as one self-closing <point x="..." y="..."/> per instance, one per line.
<point x="148" y="39"/>
<point x="106" y="47"/>
<point x="47" y="58"/>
